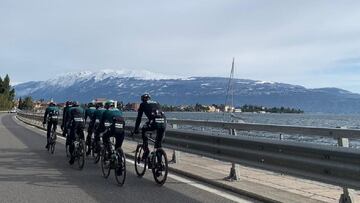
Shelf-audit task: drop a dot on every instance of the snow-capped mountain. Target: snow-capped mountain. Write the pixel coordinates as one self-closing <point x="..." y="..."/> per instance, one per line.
<point x="127" y="86"/>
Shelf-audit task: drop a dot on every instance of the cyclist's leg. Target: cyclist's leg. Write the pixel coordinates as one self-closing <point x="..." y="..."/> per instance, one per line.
<point x="55" y="124"/>
<point x="159" y="137"/>
<point x="90" y="132"/>
<point x="64" y="132"/>
<point x="97" y="137"/>
<point x="145" y="139"/>
<point x="80" y="131"/>
<point x="160" y="132"/>
<point x="71" y="139"/>
<point x="119" y="139"/>
<point x="88" y="142"/>
<point x="145" y="129"/>
<point x="106" y="141"/>
<point x="67" y="132"/>
<point x="48" y="131"/>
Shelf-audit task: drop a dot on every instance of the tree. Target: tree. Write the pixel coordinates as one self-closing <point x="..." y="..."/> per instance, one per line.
<point x="7" y="94"/>
<point x="1" y="86"/>
<point x="20" y="103"/>
<point x="27" y="104"/>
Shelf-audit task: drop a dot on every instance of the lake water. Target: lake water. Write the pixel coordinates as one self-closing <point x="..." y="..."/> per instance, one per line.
<point x="313" y="120"/>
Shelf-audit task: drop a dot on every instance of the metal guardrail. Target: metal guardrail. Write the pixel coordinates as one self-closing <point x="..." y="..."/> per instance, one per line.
<point x="329" y="164"/>
<point x="285" y="129"/>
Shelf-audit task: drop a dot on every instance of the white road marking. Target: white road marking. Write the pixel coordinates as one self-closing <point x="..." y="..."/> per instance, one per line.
<point x="187" y="181"/>
<point x="204" y="187"/>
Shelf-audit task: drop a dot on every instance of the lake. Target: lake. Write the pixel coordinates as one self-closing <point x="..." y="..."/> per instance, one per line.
<point x="313" y="120"/>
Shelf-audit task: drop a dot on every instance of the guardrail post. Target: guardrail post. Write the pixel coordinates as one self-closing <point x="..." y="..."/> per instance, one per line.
<point x="347" y="196"/>
<point x="234" y="170"/>
<point x="176" y="154"/>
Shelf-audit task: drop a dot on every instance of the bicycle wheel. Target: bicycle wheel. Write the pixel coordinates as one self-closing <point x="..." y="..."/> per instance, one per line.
<point x="160" y="168"/>
<point x="81" y="154"/>
<point x="140" y="165"/>
<point x="52" y="148"/>
<point x="52" y="142"/>
<point x="120" y="167"/>
<point x="105" y="164"/>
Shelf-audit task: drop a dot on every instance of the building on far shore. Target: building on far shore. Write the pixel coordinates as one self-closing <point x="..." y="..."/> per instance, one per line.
<point x="132" y="107"/>
<point x="229" y="109"/>
<point x="40" y="106"/>
<point x="213" y="109"/>
<point x="135" y="106"/>
<point x="237" y="110"/>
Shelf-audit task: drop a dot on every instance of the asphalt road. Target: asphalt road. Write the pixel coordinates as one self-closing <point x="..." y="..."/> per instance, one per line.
<point x="28" y="173"/>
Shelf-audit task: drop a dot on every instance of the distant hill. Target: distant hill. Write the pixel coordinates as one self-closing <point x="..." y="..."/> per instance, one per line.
<point x="127" y="86"/>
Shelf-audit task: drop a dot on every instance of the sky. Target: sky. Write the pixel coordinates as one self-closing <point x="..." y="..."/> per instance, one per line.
<point x="309" y="43"/>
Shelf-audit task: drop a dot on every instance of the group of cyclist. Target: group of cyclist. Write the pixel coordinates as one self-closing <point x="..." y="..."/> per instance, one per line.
<point x="105" y="119"/>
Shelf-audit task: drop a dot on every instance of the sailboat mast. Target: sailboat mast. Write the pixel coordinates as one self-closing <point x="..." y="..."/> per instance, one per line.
<point x="232" y="82"/>
<point x="230" y="87"/>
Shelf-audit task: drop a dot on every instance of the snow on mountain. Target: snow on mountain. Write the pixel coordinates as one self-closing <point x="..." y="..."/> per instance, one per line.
<point x="109" y="73"/>
<point x="128" y="85"/>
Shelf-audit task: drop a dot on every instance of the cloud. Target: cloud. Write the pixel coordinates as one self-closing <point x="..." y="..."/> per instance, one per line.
<point x="285" y="41"/>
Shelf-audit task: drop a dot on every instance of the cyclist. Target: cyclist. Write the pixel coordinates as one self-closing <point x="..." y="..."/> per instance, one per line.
<point x="89" y="114"/>
<point x="156" y="121"/>
<point x="77" y="125"/>
<point x="90" y="110"/>
<point x="51" y="117"/>
<point x="112" y="121"/>
<point x="64" y="123"/>
<point x="95" y="121"/>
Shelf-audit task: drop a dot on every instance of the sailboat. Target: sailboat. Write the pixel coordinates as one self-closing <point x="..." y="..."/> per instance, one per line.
<point x="234" y="171"/>
<point x="229" y="105"/>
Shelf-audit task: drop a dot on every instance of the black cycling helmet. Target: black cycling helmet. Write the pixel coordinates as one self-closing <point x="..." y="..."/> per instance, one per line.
<point x="99" y="104"/>
<point x="75" y="103"/>
<point x="145" y="97"/>
<point x="109" y="103"/>
<point x="68" y="103"/>
<point x="90" y="105"/>
<point x="51" y="103"/>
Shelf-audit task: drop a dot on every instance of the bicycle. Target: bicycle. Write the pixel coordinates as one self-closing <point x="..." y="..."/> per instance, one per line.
<point x="156" y="161"/>
<point x="79" y="151"/>
<point x="67" y="144"/>
<point x="98" y="149"/>
<point x="116" y="161"/>
<point x="96" y="146"/>
<point x="52" y="141"/>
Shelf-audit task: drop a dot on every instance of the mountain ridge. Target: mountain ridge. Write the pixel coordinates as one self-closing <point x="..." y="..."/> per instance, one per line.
<point x="127" y="86"/>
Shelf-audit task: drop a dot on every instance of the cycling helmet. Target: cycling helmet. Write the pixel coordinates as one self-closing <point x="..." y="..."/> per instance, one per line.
<point x="90" y="105"/>
<point x="145" y="97"/>
<point x="99" y="104"/>
<point x="109" y="103"/>
<point x="68" y="103"/>
<point x="75" y="103"/>
<point x="52" y="103"/>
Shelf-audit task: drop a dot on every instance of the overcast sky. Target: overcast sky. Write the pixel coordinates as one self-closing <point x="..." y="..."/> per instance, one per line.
<point x="310" y="43"/>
